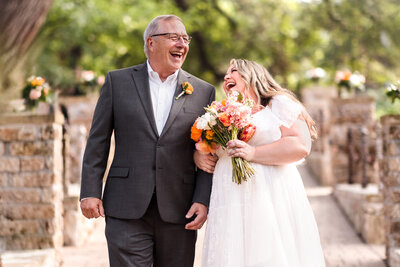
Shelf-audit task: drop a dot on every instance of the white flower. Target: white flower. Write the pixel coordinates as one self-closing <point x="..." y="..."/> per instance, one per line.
<point x="202" y="123"/>
<point x="87" y="75"/>
<point x="391" y="87"/>
<point x="316" y="73"/>
<point x="357" y="80"/>
<point x="205" y="121"/>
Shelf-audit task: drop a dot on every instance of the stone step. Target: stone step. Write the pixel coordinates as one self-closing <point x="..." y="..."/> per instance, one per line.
<point x="29" y="258"/>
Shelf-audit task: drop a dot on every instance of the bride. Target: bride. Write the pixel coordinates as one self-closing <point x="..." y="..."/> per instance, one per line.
<point x="267" y="220"/>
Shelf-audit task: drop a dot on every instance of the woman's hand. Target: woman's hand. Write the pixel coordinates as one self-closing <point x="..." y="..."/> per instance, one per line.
<point x="205" y="162"/>
<point x="237" y="148"/>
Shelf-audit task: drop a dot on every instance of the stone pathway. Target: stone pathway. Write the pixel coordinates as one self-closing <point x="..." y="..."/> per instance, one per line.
<point x="342" y="246"/>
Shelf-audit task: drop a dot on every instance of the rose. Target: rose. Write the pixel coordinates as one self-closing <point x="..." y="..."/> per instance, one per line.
<point x="195" y="133"/>
<point x="247" y="133"/>
<point x="187" y="88"/>
<point x="34" y="94"/>
<point x="205" y="148"/>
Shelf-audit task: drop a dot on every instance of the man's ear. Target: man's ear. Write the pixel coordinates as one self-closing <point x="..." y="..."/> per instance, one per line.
<point x="150" y="43"/>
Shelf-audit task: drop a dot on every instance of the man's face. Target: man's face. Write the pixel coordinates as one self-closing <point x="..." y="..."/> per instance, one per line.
<point x="165" y="55"/>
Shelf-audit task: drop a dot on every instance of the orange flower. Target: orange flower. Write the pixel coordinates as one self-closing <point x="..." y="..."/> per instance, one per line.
<point x="209" y="135"/>
<point x="223" y="102"/>
<point x="205" y="148"/>
<point x="346" y="75"/>
<point x="224" y="118"/>
<point x="187" y="88"/>
<point x="247" y="133"/>
<point x="195" y="132"/>
<point x="38" y="81"/>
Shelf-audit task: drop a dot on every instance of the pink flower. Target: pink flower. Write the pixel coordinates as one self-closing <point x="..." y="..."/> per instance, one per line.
<point x="34" y="94"/>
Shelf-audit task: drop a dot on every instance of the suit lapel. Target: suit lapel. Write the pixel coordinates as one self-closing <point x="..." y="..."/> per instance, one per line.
<point x="141" y="79"/>
<point x="176" y="103"/>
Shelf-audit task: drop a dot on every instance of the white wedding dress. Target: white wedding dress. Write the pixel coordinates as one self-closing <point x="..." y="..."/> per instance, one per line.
<point x="266" y="221"/>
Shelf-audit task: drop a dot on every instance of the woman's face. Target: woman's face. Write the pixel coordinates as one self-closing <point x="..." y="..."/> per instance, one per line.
<point x="233" y="81"/>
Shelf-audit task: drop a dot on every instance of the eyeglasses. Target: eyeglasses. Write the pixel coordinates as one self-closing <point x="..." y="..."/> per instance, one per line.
<point x="175" y="37"/>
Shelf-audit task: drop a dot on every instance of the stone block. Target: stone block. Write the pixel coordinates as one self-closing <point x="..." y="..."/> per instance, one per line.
<point x="394" y="211"/>
<point x="393" y="257"/>
<point x="33" y="179"/>
<point x="8" y="133"/>
<point x="30" y="242"/>
<point x="32" y="163"/>
<point x="26" y="133"/>
<point x="51" y="194"/>
<point x="30" y="258"/>
<point x="2" y="150"/>
<point x="3" y="180"/>
<point x="43" y="148"/>
<point x="394" y="132"/>
<point x="364" y="208"/>
<point x="395" y="194"/>
<point x="392" y="148"/>
<point x="9" y="164"/>
<point x="19" y="227"/>
<point x="394" y="164"/>
<point x="391" y="179"/>
<point x="20" y="195"/>
<point x="51" y="132"/>
<point x="29" y="211"/>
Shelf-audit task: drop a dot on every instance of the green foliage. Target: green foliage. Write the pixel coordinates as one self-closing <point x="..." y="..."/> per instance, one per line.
<point x="288" y="37"/>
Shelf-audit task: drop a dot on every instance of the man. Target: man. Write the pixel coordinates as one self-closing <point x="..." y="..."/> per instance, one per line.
<point x="154" y="200"/>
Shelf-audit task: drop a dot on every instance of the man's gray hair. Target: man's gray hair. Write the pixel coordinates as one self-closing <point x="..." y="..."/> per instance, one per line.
<point x="153" y="26"/>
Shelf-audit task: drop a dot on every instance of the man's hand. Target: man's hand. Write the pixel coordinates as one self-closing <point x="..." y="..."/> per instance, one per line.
<point x="92" y="207"/>
<point x="206" y="162"/>
<point x="201" y="216"/>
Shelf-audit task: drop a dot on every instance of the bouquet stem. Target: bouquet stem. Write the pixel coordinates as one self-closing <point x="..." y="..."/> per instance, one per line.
<point x="241" y="169"/>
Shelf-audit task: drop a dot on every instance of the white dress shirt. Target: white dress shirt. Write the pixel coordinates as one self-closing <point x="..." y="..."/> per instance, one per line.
<point x="162" y="95"/>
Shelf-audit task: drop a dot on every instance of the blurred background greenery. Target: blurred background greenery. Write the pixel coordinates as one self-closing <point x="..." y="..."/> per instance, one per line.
<point x="288" y="37"/>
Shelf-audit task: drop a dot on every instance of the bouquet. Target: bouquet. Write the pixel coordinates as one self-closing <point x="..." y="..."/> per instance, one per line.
<point x="87" y="82"/>
<point x="393" y="91"/>
<point x="35" y="90"/>
<point x="223" y="121"/>
<point x="350" y="81"/>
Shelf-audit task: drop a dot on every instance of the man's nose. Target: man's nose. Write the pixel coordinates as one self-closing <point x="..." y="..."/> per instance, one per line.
<point x="180" y="41"/>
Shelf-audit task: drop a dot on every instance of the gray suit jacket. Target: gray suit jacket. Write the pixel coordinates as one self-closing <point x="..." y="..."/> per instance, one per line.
<point x="143" y="160"/>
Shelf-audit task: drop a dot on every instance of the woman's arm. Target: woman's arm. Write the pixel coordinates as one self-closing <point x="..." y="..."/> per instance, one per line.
<point x="294" y="145"/>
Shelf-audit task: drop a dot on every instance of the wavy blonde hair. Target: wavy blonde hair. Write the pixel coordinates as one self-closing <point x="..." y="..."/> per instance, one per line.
<point x="258" y="79"/>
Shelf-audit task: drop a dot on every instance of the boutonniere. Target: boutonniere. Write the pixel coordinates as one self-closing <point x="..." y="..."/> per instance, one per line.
<point x="187" y="88"/>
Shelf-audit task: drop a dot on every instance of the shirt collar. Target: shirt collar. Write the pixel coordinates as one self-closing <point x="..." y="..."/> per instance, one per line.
<point x="154" y="75"/>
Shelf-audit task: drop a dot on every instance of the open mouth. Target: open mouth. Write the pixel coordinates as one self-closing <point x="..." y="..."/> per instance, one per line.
<point x="230" y="85"/>
<point x="177" y="55"/>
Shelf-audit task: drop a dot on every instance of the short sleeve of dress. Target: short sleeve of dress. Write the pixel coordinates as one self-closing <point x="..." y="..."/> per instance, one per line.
<point x="285" y="109"/>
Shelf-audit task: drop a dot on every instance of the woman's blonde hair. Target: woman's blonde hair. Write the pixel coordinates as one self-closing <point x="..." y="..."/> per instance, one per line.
<point x="258" y="79"/>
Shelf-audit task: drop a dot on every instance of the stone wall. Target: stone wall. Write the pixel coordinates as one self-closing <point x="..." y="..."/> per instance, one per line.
<point x="316" y="100"/>
<point x="390" y="179"/>
<point x="354" y="114"/>
<point x="334" y="116"/>
<point x="364" y="209"/>
<point x="78" y="112"/>
<point x="31" y="187"/>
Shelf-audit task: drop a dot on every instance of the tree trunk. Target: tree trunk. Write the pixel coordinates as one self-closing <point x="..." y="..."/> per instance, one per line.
<point x="20" y="21"/>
